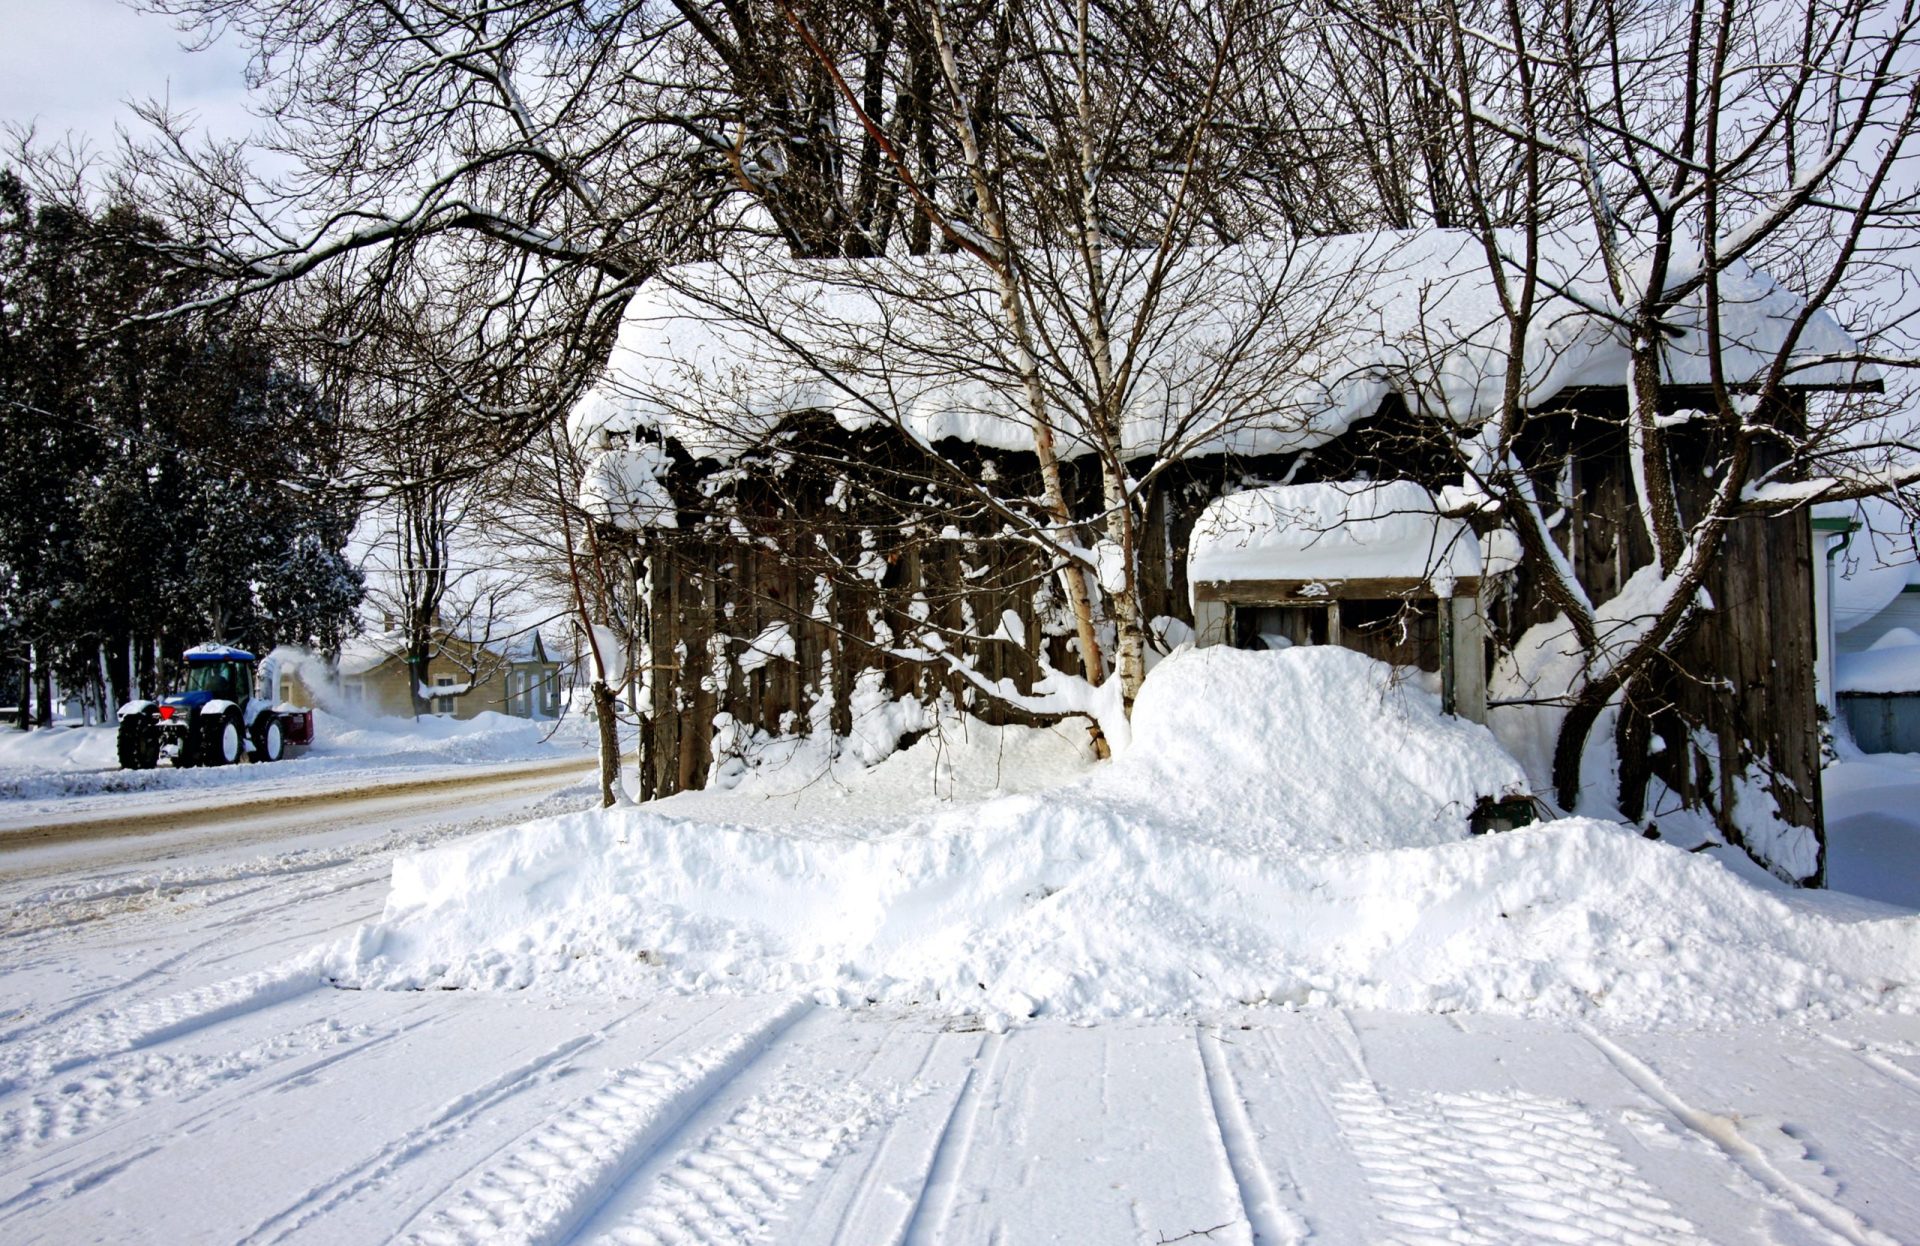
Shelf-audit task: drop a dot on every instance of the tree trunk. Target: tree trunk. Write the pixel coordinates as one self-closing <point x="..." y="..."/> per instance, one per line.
<point x="43" y="692"/>
<point x="605" y="711"/>
<point x="418" y="657"/>
<point x="1571" y="745"/>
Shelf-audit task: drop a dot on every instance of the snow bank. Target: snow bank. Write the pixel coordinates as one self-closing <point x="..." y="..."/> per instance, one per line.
<point x="1332" y="532"/>
<point x="1890" y="664"/>
<point x="1286" y="829"/>
<point x="1025" y="906"/>
<point x="63" y="762"/>
<point x="866" y="777"/>
<point x="487" y="736"/>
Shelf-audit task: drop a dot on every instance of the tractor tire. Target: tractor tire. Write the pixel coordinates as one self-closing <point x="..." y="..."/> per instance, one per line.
<point x="269" y="742"/>
<point x="138" y="742"/>
<point x="191" y="743"/>
<point x="216" y="741"/>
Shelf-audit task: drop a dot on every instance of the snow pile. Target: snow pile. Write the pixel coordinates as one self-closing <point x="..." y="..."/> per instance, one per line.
<point x="1889" y="664"/>
<point x="1288" y="828"/>
<point x="1332" y="532"/>
<point x="54" y="749"/>
<point x="1311" y="750"/>
<point x="867" y="776"/>
<point x="486" y="737"/>
<point x="1028" y="906"/>
<point x="1872" y="806"/>
<point x="56" y="763"/>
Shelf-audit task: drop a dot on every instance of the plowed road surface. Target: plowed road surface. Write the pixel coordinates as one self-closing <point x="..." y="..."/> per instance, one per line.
<point x="165" y="1077"/>
<point x="131" y="829"/>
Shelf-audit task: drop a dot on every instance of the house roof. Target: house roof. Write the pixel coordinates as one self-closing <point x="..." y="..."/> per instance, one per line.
<point x="364" y="653"/>
<point x="1258" y="348"/>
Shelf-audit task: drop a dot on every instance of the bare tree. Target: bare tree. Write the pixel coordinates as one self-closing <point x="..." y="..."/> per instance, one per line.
<point x="1707" y="141"/>
<point x="1103" y="156"/>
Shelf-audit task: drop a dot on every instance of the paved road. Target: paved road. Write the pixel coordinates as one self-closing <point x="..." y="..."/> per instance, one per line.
<point x="232" y="819"/>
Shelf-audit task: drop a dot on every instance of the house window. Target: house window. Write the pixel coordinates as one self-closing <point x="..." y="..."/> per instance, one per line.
<point x="443" y="704"/>
<point x="286" y="689"/>
<point x="354" y="691"/>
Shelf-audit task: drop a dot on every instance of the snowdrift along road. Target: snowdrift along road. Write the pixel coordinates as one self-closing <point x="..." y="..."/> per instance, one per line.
<point x="1287" y="828"/>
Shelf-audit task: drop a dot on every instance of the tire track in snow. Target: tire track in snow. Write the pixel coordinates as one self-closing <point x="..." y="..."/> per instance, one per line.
<point x="86" y="1109"/>
<point x="453" y="1118"/>
<point x="79" y="1105"/>
<point x="1497" y="1168"/>
<point x="733" y="1184"/>
<point x="1871" y="1055"/>
<point x="553" y="1181"/>
<point x="1267" y="1216"/>
<point x="118" y="1031"/>
<point x="933" y="1206"/>
<point x="1725" y="1134"/>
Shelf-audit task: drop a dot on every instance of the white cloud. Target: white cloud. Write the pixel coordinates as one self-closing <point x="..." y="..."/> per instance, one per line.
<point x="71" y="66"/>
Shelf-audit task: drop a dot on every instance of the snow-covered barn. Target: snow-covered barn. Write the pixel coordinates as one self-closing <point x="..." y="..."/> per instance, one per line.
<point x="802" y="444"/>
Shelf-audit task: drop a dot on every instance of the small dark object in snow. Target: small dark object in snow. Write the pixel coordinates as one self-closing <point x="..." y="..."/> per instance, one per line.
<point x="1501" y="815"/>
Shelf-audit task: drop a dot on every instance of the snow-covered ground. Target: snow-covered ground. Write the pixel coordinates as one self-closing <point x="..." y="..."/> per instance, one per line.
<point x="664" y="1035"/>
<point x="66" y="771"/>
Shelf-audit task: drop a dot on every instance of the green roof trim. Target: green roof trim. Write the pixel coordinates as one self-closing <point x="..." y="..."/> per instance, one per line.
<point x="1835" y="523"/>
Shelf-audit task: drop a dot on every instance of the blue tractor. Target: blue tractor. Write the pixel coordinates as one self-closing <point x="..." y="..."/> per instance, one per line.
<point x="214" y="721"/>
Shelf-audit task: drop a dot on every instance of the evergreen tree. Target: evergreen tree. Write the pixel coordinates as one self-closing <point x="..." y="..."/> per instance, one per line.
<point x="167" y="474"/>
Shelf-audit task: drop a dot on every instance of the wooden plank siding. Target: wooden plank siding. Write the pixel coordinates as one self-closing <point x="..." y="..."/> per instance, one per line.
<point x="1739" y="691"/>
<point x="821" y="504"/>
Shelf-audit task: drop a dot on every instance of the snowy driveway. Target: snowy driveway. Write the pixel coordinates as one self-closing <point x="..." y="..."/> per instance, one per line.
<point x="162" y="1080"/>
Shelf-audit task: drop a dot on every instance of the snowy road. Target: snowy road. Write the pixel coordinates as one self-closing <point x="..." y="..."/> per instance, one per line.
<point x="134" y="828"/>
<point x="164" y="1077"/>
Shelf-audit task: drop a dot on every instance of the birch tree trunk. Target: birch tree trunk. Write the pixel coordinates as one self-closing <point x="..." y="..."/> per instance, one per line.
<point x="1026" y="361"/>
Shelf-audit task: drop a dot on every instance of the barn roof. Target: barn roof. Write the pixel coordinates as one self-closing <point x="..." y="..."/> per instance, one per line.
<point x="1255" y="349"/>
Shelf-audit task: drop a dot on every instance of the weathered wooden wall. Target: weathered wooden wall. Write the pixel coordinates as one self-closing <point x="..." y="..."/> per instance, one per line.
<point x="762" y="535"/>
<point x="1739" y="692"/>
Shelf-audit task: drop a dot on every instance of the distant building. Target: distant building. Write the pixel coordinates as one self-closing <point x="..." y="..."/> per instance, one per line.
<point x="1867" y="609"/>
<point x="463" y="678"/>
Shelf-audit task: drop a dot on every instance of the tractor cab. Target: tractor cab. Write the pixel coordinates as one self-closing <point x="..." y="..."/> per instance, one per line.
<point x="215" y="673"/>
<point x="228" y="681"/>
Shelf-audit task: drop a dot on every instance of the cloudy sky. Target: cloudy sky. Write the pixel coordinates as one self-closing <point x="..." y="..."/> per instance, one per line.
<point x="71" y="65"/>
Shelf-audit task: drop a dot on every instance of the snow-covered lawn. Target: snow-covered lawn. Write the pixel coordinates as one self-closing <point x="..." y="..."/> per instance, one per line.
<point x="1278" y="995"/>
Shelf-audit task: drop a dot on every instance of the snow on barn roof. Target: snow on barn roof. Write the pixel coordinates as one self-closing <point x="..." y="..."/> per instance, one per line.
<point x="1253" y="349"/>
<point x="623" y="487"/>
<point x="1351" y="531"/>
